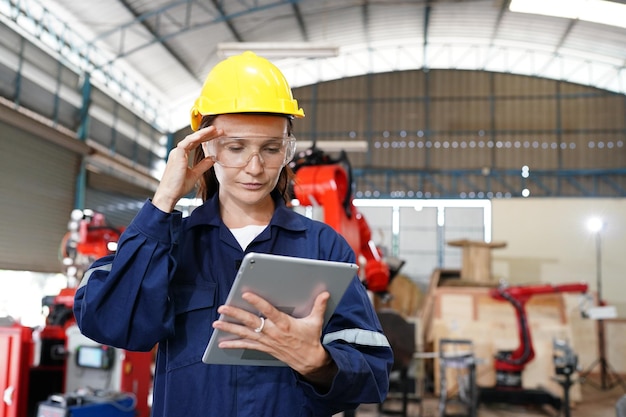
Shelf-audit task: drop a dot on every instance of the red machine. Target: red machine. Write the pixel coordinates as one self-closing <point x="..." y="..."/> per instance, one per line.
<point x="89" y="237"/>
<point x="510" y="364"/>
<point x="327" y="183"/>
<point x="100" y="369"/>
<point x="16" y="346"/>
<point x="56" y="360"/>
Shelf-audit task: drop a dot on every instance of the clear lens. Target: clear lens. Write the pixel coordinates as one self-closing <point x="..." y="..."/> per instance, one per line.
<point x="236" y="152"/>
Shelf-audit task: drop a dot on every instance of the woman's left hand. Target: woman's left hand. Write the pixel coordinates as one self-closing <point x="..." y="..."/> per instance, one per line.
<point x="294" y="341"/>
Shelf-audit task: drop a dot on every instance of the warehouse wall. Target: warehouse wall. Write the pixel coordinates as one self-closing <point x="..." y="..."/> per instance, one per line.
<point x="548" y="241"/>
<point x="486" y="125"/>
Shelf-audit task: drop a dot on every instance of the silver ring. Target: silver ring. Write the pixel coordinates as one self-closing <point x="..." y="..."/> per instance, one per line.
<point x="260" y="328"/>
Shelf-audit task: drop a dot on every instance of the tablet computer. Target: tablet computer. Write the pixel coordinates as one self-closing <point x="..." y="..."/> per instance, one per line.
<point x="291" y="285"/>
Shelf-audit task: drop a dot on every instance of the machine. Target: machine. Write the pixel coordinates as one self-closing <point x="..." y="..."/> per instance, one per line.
<point x="325" y="184"/>
<point x="509" y="365"/>
<point x="88" y="404"/>
<point x="565" y="364"/>
<point x="89" y="237"/>
<point x="96" y="377"/>
<point x="55" y="370"/>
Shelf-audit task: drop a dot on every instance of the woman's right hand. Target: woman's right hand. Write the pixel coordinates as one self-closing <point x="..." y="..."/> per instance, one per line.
<point x="178" y="178"/>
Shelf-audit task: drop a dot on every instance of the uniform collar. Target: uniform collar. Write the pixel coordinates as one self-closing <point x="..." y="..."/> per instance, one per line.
<point x="208" y="214"/>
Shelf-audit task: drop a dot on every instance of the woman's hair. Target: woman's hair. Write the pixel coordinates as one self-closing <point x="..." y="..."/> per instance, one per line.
<point x="208" y="185"/>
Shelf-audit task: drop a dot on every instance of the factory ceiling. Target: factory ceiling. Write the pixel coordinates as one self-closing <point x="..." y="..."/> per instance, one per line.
<point x="166" y="47"/>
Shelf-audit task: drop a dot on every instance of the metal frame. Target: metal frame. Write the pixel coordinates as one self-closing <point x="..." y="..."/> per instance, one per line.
<point x="474" y="183"/>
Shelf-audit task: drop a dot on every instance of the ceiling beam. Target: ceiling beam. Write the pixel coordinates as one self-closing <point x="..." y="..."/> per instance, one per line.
<point x="427" y="11"/>
<point x="221" y="18"/>
<point x="565" y="34"/>
<point x="503" y="9"/>
<point x="301" y="25"/>
<point x="154" y="33"/>
<point x="227" y="20"/>
<point x="365" y="18"/>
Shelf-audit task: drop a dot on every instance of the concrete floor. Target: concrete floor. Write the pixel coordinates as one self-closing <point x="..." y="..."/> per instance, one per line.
<point x="596" y="403"/>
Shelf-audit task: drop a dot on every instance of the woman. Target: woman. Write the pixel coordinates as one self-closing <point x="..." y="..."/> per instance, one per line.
<point x="170" y="276"/>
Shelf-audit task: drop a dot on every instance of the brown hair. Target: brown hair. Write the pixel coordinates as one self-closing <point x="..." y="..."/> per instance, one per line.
<point x="208" y="185"/>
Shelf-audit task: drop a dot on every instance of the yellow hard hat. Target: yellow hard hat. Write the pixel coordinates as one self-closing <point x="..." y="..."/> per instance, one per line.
<point x="244" y="83"/>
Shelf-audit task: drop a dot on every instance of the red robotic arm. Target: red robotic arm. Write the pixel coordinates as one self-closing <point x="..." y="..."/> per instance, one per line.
<point x="509" y="365"/>
<point x="325" y="183"/>
<point x="89" y="237"/>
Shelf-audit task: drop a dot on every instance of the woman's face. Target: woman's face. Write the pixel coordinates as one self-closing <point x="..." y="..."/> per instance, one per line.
<point x="252" y="183"/>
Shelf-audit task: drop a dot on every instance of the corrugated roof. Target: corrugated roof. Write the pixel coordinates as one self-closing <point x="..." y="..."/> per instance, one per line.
<point x="168" y="46"/>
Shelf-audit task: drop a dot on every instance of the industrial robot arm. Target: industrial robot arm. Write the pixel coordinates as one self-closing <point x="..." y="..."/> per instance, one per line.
<point x="510" y="364"/>
<point x="324" y="182"/>
<point x="89" y="237"/>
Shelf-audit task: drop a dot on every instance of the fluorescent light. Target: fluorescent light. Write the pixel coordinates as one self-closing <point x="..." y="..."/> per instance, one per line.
<point x="279" y="49"/>
<point x="597" y="11"/>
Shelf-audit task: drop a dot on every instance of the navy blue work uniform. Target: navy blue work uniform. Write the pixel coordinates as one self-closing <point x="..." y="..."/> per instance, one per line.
<point x="164" y="285"/>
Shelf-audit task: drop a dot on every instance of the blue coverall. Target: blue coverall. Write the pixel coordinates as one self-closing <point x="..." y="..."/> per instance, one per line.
<point x="164" y="285"/>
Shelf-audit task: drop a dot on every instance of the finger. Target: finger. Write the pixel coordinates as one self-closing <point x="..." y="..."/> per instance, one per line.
<point x="261" y="325"/>
<point x="243" y="330"/>
<point x="320" y="304"/>
<point x="203" y="135"/>
<point x="263" y="306"/>
<point x="241" y="317"/>
<point x="176" y="153"/>
<point x="203" y="166"/>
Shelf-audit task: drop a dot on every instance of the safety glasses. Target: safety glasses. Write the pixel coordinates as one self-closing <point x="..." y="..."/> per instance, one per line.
<point x="236" y="152"/>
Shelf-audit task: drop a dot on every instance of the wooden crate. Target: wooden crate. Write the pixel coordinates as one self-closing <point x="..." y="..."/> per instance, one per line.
<point x="470" y="313"/>
<point x="476" y="259"/>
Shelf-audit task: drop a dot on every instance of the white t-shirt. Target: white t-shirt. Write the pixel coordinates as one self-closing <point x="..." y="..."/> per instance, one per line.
<point x="246" y="234"/>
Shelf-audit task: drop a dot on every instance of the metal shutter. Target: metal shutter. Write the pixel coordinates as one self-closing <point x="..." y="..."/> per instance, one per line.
<point x="37" y="191"/>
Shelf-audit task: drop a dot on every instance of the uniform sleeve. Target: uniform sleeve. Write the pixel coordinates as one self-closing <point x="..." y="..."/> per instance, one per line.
<point x="355" y="340"/>
<point x="123" y="300"/>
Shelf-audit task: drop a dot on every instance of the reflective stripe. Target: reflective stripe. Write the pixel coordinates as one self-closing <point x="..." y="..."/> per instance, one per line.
<point x="358" y="337"/>
<point x="83" y="282"/>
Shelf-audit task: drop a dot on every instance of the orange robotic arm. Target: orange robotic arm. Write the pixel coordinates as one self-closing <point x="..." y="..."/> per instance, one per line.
<point x="328" y="186"/>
